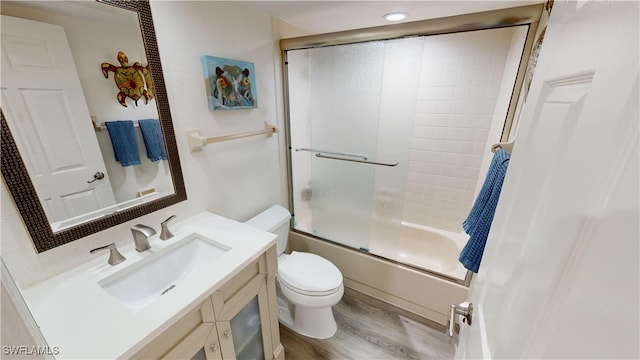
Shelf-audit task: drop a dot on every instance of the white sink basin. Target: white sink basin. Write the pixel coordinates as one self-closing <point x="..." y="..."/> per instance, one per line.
<point x="141" y="283"/>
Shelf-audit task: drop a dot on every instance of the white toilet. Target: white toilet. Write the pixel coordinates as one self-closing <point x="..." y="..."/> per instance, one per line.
<point x="308" y="285"/>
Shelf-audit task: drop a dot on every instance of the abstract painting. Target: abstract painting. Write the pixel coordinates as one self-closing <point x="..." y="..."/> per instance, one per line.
<point x="230" y="84"/>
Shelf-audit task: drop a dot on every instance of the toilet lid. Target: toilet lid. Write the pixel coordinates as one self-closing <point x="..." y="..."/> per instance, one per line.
<point x="309" y="272"/>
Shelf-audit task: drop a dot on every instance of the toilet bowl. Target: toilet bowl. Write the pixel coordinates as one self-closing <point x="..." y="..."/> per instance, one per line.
<point x="308" y="285"/>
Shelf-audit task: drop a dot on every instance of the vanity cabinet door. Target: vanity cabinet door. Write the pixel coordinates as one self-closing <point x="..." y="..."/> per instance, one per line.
<point x="243" y="323"/>
<point x="245" y="315"/>
<point x="201" y="344"/>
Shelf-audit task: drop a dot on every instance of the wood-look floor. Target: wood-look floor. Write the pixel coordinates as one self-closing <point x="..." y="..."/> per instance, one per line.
<point x="371" y="329"/>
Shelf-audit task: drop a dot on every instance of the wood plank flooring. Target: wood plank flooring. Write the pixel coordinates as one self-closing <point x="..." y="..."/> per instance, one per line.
<point x="371" y="329"/>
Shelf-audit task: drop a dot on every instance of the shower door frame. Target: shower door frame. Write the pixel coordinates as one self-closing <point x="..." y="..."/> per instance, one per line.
<point x="517" y="16"/>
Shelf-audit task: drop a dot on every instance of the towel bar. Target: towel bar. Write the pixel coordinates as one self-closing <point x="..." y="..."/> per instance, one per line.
<point x="197" y="142"/>
<point x="321" y="155"/>
<point x="364" y="157"/>
<point x="99" y="126"/>
<point x="506" y="146"/>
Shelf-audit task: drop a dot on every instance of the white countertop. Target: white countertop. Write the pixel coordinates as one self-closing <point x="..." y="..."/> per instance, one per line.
<point x="79" y="318"/>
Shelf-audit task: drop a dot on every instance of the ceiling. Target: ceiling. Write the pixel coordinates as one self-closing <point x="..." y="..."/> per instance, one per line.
<point x="314" y="17"/>
<point x="318" y="17"/>
<point x="89" y="10"/>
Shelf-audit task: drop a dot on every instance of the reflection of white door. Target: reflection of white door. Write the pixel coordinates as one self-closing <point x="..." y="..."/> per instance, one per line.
<point x="43" y="103"/>
<point x="559" y="278"/>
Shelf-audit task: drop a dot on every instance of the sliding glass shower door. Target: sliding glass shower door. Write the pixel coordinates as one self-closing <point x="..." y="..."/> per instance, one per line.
<point x="350" y="117"/>
<point x="389" y="138"/>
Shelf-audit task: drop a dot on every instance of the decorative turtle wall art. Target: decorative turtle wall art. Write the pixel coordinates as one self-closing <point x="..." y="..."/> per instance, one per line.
<point x="133" y="81"/>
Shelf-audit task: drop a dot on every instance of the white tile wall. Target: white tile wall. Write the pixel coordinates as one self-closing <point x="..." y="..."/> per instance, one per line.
<point x="460" y="83"/>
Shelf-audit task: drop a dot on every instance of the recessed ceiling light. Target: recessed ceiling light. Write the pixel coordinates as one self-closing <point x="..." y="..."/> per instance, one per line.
<point x="395" y="16"/>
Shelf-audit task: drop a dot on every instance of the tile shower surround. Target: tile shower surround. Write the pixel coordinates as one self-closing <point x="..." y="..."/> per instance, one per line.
<point x="460" y="81"/>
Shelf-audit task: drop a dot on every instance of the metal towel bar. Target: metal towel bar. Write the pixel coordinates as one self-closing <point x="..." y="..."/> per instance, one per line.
<point x="321" y="155"/>
<point x="364" y="157"/>
<point x="506" y="146"/>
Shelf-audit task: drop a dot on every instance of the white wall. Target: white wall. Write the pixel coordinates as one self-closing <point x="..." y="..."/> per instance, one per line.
<point x="235" y="179"/>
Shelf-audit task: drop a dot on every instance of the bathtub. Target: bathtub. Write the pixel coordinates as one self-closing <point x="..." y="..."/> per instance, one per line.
<point x="416" y="245"/>
<point x="431" y="249"/>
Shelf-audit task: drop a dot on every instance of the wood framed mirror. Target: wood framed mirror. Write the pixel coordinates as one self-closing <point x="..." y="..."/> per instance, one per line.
<point x="21" y="186"/>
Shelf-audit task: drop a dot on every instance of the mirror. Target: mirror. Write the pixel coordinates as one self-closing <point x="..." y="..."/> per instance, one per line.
<point x="165" y="176"/>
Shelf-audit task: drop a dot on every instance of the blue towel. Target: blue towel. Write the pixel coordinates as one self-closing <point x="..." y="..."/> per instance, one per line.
<point x="124" y="142"/>
<point x="153" y="140"/>
<point x="478" y="222"/>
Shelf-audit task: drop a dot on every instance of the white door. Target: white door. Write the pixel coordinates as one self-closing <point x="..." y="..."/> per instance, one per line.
<point x="45" y="108"/>
<point x="560" y="273"/>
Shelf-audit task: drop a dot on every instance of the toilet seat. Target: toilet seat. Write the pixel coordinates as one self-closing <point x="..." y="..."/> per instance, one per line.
<point x="309" y="274"/>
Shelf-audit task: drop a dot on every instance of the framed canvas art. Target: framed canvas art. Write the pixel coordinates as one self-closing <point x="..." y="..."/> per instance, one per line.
<point x="231" y="84"/>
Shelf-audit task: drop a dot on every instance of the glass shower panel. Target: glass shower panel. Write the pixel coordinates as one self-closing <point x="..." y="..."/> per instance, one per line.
<point x="402" y="65"/>
<point x="353" y="102"/>
<point x="340" y="116"/>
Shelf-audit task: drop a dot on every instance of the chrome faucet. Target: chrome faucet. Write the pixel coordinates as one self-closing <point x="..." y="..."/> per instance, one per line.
<point x="141" y="234"/>
<point x="165" y="233"/>
<point x="114" y="255"/>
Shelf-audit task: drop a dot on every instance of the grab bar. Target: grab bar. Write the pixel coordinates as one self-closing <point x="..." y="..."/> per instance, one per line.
<point x="320" y="155"/>
<point x="364" y="157"/>
<point x="197" y="142"/>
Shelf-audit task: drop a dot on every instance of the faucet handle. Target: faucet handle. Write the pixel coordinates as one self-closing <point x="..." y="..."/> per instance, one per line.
<point x="165" y="233"/>
<point x="114" y="255"/>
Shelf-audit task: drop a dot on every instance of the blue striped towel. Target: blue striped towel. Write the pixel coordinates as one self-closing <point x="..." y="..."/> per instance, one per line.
<point x="478" y="223"/>
<point x="153" y="141"/>
<point x="123" y="139"/>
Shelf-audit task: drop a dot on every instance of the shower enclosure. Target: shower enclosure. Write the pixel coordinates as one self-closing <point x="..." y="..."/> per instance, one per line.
<point x="389" y="138"/>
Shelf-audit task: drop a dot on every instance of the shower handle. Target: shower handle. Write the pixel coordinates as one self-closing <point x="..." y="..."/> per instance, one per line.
<point x="465" y="309"/>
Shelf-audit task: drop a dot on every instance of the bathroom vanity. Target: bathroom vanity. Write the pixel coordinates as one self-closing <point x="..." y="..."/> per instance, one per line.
<point x="207" y="293"/>
<point x="236" y="321"/>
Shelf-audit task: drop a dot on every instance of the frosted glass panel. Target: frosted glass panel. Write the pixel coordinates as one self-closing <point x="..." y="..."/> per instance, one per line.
<point x="403" y="60"/>
<point x="336" y="105"/>
<point x="247" y="333"/>
<point x="345" y="92"/>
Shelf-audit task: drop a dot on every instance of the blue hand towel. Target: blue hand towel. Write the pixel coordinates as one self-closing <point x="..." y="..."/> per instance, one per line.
<point x="124" y="142"/>
<point x="153" y="140"/>
<point x="478" y="222"/>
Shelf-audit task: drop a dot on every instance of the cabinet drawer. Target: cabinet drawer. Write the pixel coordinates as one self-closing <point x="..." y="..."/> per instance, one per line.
<point x="175" y="334"/>
<point x="242" y="278"/>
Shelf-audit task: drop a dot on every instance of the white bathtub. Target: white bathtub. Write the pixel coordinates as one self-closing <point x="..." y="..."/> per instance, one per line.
<point x="431" y="249"/>
<point x="412" y="244"/>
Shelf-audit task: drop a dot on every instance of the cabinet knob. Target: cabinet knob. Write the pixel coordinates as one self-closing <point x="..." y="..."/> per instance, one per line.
<point x="227" y="333"/>
<point x="214" y="347"/>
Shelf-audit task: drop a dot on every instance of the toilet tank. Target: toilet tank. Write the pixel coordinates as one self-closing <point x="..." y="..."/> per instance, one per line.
<point x="274" y="220"/>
